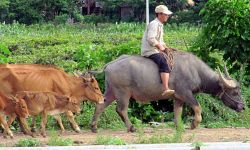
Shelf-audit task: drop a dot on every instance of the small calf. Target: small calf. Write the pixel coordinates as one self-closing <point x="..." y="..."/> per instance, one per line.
<point x="47" y="103"/>
<point x="12" y="107"/>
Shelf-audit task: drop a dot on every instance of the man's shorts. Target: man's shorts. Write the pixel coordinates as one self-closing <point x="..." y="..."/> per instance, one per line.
<point x="161" y="62"/>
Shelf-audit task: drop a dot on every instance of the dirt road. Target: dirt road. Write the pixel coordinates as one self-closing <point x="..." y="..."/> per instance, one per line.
<point x="201" y="135"/>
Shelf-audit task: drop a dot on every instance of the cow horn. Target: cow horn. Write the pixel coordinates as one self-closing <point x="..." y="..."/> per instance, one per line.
<point x="229" y="83"/>
<point x="77" y="73"/>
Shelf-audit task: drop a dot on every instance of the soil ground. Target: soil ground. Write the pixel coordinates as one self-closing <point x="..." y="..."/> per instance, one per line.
<point x="86" y="137"/>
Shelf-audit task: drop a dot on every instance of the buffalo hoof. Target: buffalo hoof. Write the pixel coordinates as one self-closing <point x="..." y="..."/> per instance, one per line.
<point x="94" y="130"/>
<point x="193" y="125"/>
<point x="132" y="129"/>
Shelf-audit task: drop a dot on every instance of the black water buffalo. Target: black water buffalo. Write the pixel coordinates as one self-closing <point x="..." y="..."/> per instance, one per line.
<point x="138" y="77"/>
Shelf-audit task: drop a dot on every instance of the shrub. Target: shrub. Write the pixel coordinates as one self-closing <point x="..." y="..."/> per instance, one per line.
<point x="28" y="142"/>
<point x="102" y="140"/>
<point x="54" y="140"/>
<point x="4" y="53"/>
<point x="61" y="19"/>
<point x="227" y="29"/>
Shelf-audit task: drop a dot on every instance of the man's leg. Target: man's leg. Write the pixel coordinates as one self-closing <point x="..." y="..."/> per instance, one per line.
<point x="166" y="89"/>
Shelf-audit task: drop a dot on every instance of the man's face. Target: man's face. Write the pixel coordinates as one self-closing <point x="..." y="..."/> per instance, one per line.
<point x="163" y="17"/>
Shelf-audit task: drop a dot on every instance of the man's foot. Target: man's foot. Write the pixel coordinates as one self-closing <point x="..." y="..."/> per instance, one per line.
<point x="168" y="92"/>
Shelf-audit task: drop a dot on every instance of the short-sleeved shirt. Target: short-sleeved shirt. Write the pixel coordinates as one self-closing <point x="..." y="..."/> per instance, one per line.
<point x="152" y="36"/>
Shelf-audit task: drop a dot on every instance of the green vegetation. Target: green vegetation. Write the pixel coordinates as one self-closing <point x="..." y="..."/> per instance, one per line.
<point x="84" y="46"/>
<point x="103" y="140"/>
<point x="28" y="143"/>
<point x="227" y="30"/>
<point x="4" y="53"/>
<point x="55" y="140"/>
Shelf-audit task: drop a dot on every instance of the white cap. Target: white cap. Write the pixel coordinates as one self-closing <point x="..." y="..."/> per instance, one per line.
<point x="163" y="9"/>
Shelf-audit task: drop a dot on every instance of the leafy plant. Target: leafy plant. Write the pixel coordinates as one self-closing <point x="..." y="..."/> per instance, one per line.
<point x="102" y="140"/>
<point x="4" y="53"/>
<point x="54" y="140"/>
<point x="226" y="29"/>
<point x="197" y="145"/>
<point x="28" y="142"/>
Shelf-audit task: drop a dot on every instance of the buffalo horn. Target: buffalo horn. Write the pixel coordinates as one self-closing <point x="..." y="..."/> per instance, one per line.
<point x="226" y="72"/>
<point x="229" y="83"/>
<point x="95" y="72"/>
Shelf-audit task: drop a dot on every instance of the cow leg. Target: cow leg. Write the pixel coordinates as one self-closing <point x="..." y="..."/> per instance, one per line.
<point x="197" y="117"/>
<point x="11" y="119"/>
<point x="59" y="121"/>
<point x="6" y="127"/>
<point x="178" y="105"/>
<point x="72" y="121"/>
<point x="43" y="123"/>
<point x="26" y="128"/>
<point x="99" y="108"/>
<point x="33" y="124"/>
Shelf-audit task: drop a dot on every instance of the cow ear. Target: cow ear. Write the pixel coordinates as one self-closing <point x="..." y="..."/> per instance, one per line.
<point x="92" y="79"/>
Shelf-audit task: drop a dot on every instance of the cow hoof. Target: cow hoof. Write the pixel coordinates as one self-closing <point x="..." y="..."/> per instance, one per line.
<point x="78" y="130"/>
<point x="32" y="130"/>
<point x="32" y="135"/>
<point x="62" y="131"/>
<point x="43" y="134"/>
<point x="132" y="129"/>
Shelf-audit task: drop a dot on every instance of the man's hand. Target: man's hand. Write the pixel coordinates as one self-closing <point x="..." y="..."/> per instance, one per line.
<point x="160" y="47"/>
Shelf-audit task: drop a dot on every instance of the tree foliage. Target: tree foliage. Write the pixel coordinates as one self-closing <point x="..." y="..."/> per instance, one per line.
<point x="227" y="29"/>
<point x="34" y="11"/>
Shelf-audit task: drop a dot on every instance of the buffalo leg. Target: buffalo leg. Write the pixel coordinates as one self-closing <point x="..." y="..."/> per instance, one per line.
<point x="6" y="127"/>
<point x="122" y="108"/>
<point x="72" y="121"/>
<point x="59" y="121"/>
<point x="188" y="97"/>
<point x="197" y="117"/>
<point x="178" y="105"/>
<point x="99" y="108"/>
<point x="43" y="123"/>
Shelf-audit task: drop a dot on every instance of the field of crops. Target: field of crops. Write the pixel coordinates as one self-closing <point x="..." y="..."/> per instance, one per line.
<point x="86" y="46"/>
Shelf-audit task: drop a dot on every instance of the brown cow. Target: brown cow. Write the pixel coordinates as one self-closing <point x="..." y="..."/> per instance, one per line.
<point x="47" y="103"/>
<point x="31" y="77"/>
<point x="11" y="107"/>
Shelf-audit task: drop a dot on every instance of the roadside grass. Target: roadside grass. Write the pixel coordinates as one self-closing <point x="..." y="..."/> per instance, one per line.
<point x="29" y="142"/>
<point x="109" y="140"/>
<point x="55" y="140"/>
